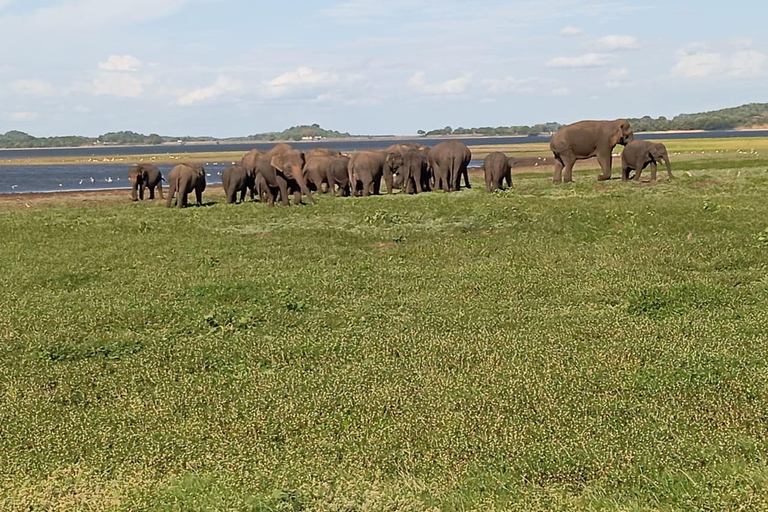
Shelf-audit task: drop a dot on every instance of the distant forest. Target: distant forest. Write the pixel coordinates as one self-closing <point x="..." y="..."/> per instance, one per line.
<point x="746" y="116"/>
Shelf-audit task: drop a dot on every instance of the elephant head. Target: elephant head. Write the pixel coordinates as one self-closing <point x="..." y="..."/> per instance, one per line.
<point x="394" y="161"/>
<point x="621" y="132"/>
<point x="138" y="177"/>
<point x="291" y="163"/>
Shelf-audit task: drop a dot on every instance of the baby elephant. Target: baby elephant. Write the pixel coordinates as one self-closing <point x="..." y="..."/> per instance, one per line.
<point x="639" y="154"/>
<point x="338" y="174"/>
<point x="183" y="179"/>
<point x="144" y="176"/>
<point x="236" y="179"/>
<point x="497" y="168"/>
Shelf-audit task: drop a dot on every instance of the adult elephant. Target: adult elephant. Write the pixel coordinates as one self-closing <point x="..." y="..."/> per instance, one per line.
<point x="449" y="161"/>
<point x="236" y="179"/>
<point x="497" y="169"/>
<point x="249" y="160"/>
<point x="415" y="171"/>
<point x="283" y="168"/>
<point x="365" y="171"/>
<point x="144" y="176"/>
<point x="588" y="139"/>
<point x="314" y="152"/>
<point x="338" y="174"/>
<point x="316" y="172"/>
<point x="183" y="179"/>
<point x="639" y="154"/>
<point x="393" y="164"/>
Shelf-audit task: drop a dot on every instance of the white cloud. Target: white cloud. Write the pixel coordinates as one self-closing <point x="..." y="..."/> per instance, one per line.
<point x="301" y="77"/>
<point x="562" y="91"/>
<point x="223" y="85"/>
<point x="120" y="63"/>
<point x="66" y="17"/>
<point x="32" y="87"/>
<point x="589" y="60"/>
<point x="617" y="43"/>
<point x="619" y="72"/>
<point x="697" y="64"/>
<point x="507" y="85"/>
<point x="452" y="87"/>
<point x="124" y="85"/>
<point x="747" y="63"/>
<point x="306" y="83"/>
<point x="571" y="32"/>
<point x="23" y="116"/>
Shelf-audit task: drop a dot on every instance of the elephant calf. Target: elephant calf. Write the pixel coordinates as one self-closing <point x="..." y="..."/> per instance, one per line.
<point x="415" y="171"/>
<point x="183" y="179"/>
<point x="639" y="154"/>
<point x="236" y="179"/>
<point x="497" y="168"/>
<point x="144" y="176"/>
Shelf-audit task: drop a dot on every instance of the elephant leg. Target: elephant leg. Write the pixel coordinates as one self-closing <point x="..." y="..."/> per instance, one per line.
<point x="488" y="180"/>
<point x="389" y="179"/>
<point x="242" y="195"/>
<point x="199" y="195"/>
<point x="624" y="172"/>
<point x="160" y="189"/>
<point x="568" y="171"/>
<point x="231" y="193"/>
<point x="367" y="188"/>
<point x="283" y="186"/>
<point x="605" y="164"/>
<point x="182" y="201"/>
<point x="559" y="166"/>
<point x="141" y="191"/>
<point x="418" y="180"/>
<point x="653" y="172"/>
<point x="508" y="177"/>
<point x="171" y="193"/>
<point x="377" y="186"/>
<point x="465" y="172"/>
<point x="151" y="193"/>
<point x="638" y="172"/>
<point x="134" y="193"/>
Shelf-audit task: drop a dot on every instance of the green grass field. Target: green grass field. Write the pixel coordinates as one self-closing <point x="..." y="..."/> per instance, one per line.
<point x="600" y="346"/>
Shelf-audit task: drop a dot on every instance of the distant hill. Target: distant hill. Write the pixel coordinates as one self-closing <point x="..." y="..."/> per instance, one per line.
<point x="300" y="133"/>
<point x="751" y="115"/>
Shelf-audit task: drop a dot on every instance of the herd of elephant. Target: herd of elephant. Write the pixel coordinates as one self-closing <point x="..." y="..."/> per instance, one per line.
<point x="283" y="171"/>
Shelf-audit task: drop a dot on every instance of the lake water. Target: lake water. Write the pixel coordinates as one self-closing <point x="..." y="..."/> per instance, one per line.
<point x="51" y="178"/>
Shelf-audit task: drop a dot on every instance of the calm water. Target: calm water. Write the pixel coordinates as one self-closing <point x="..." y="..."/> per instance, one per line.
<point x="49" y="178"/>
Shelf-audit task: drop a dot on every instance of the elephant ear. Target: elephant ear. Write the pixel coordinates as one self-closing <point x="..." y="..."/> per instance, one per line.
<point x="617" y="132"/>
<point x="278" y="162"/>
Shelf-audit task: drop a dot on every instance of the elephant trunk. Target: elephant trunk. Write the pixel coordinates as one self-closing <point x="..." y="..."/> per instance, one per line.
<point x="669" y="165"/>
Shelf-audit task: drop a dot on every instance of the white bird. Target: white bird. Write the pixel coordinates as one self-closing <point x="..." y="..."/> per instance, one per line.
<point x="81" y="182"/>
<point x="92" y="180"/>
<point x="207" y="174"/>
<point x="13" y="187"/>
<point x="61" y="185"/>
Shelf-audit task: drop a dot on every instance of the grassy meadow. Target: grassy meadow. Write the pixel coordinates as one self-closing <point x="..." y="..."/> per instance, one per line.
<point x="595" y="346"/>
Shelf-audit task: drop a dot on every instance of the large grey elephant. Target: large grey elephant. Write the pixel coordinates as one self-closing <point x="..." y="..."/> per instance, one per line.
<point x="249" y="160"/>
<point x="588" y="139"/>
<point x="314" y="152"/>
<point x="639" y="154"/>
<point x="234" y="179"/>
<point x="183" y="179"/>
<point x="338" y="174"/>
<point x="144" y="176"/>
<point x="415" y="171"/>
<point x="497" y="169"/>
<point x="283" y="168"/>
<point x="365" y="171"/>
<point x="394" y="162"/>
<point x="449" y="161"/>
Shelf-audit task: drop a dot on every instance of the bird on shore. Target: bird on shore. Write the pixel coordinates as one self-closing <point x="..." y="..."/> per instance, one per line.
<point x="13" y="187"/>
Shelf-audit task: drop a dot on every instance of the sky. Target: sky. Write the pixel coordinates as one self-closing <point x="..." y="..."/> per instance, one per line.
<point x="229" y="68"/>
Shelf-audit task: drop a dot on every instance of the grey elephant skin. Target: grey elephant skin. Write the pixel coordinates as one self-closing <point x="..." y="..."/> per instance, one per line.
<point x="497" y="169"/>
<point x="365" y="171"/>
<point x="449" y="162"/>
<point x="282" y="168"/>
<point x="183" y="180"/>
<point x="639" y="154"/>
<point x="393" y="164"/>
<point x="416" y="177"/>
<point x="338" y="176"/>
<point x="588" y="139"/>
<point x="145" y="176"/>
<point x="236" y="179"/>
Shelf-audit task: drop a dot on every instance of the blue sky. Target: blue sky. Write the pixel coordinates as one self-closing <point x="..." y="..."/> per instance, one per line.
<point x="237" y="67"/>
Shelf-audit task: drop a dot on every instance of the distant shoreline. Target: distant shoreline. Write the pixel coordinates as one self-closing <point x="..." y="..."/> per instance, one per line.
<point x="382" y="138"/>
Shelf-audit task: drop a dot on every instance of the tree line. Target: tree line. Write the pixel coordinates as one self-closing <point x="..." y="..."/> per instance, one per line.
<point x="745" y="116"/>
